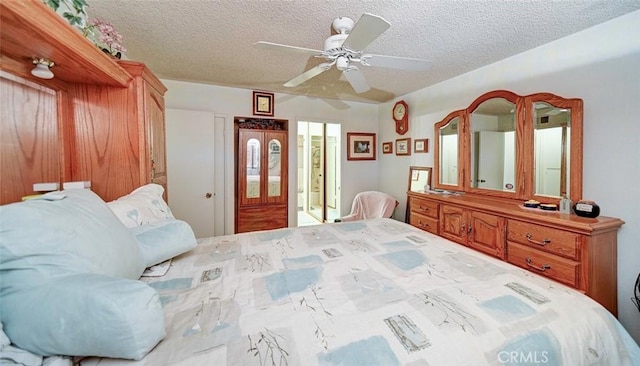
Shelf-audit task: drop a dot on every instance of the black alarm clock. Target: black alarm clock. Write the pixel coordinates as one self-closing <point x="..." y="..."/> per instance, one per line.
<point x="586" y="209"/>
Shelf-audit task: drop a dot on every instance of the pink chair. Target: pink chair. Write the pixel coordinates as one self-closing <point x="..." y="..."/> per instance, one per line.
<point x="371" y="205"/>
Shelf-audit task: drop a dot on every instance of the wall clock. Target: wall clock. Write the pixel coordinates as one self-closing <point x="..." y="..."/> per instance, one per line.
<point x="400" y="114"/>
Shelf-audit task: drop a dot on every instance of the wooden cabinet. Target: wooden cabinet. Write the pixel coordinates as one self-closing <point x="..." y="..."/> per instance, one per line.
<point x="150" y="116"/>
<point x="453" y="221"/>
<point x="98" y="119"/>
<point x="479" y="230"/>
<point x="118" y="134"/>
<point x="576" y="251"/>
<point x="261" y="180"/>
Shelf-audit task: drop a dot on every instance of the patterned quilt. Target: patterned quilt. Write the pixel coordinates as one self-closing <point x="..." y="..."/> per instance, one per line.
<point x="375" y="292"/>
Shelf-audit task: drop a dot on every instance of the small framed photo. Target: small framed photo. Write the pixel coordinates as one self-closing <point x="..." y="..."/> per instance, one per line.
<point x="263" y="103"/>
<point x="421" y="145"/>
<point x="361" y="146"/>
<point x="387" y="147"/>
<point x="403" y="146"/>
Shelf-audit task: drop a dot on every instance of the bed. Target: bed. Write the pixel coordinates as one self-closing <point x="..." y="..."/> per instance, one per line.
<point x="373" y="292"/>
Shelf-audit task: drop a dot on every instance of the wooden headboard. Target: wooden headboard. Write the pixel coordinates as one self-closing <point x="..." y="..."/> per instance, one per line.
<point x="99" y="119"/>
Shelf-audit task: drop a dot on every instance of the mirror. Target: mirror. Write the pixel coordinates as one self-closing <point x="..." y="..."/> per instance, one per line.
<point x="448" y="144"/>
<point x="493" y="154"/>
<point x="253" y="168"/>
<point x="511" y="146"/>
<point x="419" y="178"/>
<point x="550" y="141"/>
<point x="274" y="168"/>
<point x="557" y="146"/>
<point x="449" y="152"/>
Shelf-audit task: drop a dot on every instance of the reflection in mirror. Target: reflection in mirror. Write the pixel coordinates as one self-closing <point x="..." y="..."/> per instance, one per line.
<point x="253" y="168"/>
<point x="274" y="168"/>
<point x="493" y="150"/>
<point x="419" y="178"/>
<point x="551" y="138"/>
<point x="449" y="152"/>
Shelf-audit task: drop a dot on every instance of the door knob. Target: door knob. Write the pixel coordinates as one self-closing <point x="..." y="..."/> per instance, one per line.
<point x="208" y="195"/>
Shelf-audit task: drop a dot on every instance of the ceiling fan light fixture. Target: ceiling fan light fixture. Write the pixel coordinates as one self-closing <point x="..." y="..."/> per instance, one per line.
<point x="342" y="63"/>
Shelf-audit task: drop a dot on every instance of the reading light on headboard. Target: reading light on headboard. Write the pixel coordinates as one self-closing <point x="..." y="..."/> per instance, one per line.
<point x="42" y="69"/>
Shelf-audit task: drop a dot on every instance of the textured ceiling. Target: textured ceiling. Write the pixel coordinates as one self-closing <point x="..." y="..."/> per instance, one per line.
<point x="211" y="41"/>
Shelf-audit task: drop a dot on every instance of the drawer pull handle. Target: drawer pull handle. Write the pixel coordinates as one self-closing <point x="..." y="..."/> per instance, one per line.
<point x="543" y="268"/>
<point x="425" y="224"/>
<point x="542" y="243"/>
<point x="424" y="208"/>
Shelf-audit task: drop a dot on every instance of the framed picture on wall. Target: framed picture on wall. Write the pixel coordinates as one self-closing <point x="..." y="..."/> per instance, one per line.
<point x="403" y="146"/>
<point x="387" y="147"/>
<point x="421" y="145"/>
<point x="262" y="103"/>
<point x="361" y="146"/>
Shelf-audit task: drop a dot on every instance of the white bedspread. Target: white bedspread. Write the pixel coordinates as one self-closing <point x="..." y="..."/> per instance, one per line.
<point x="376" y="292"/>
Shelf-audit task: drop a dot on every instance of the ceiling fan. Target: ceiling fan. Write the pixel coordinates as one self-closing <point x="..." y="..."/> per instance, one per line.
<point x="345" y="50"/>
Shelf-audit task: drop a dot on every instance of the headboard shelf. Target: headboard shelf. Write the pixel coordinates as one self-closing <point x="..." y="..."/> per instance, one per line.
<point x="30" y="29"/>
<point x="97" y="120"/>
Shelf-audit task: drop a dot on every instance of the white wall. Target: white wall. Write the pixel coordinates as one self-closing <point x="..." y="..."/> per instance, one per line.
<point x="230" y="102"/>
<point x="600" y="65"/>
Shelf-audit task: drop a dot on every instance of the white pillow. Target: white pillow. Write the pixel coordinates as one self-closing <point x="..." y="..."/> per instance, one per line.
<point x="68" y="280"/>
<point x="86" y="314"/>
<point x="163" y="240"/>
<point x="142" y="206"/>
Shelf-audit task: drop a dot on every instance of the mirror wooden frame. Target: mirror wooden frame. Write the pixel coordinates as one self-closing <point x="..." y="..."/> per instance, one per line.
<point x="419" y="168"/>
<point x="525" y="158"/>
<point x="436" y="151"/>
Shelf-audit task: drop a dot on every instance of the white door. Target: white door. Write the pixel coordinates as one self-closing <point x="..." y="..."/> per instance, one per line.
<point x="491" y="160"/>
<point x="548" y="143"/>
<point x="190" y="168"/>
<point x="332" y="183"/>
<point x="449" y="159"/>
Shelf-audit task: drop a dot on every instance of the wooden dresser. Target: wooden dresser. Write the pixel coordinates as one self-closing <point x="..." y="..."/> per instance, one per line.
<point x="576" y="251"/>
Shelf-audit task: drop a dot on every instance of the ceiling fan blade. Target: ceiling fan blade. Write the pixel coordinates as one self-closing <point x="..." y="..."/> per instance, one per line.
<point x="284" y="47"/>
<point x="367" y="29"/>
<point x="313" y="72"/>
<point x="393" y="62"/>
<point x="356" y="78"/>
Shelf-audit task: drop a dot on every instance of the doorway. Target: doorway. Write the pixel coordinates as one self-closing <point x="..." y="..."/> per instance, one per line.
<point x="191" y="140"/>
<point x="318" y="172"/>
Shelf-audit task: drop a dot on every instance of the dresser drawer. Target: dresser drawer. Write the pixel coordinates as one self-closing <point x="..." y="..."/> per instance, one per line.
<point x="549" y="265"/>
<point x="564" y="243"/>
<point x="424" y="207"/>
<point x="423" y="222"/>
